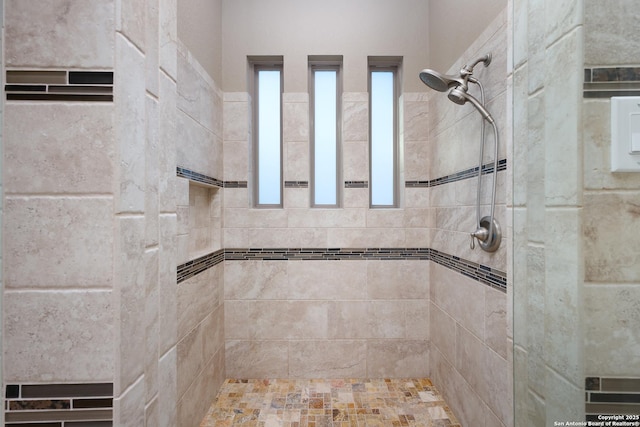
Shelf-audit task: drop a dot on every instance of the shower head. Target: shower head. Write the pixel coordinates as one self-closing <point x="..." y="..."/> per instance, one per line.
<point x="486" y="60"/>
<point x="460" y="97"/>
<point x="439" y="82"/>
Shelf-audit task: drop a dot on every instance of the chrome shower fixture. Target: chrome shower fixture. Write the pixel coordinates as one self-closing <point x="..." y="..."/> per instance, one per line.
<point x="488" y="231"/>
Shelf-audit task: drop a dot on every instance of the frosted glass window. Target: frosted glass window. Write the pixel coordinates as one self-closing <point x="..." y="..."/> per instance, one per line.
<point x="325" y="138"/>
<point x="383" y="145"/>
<point x="269" y="141"/>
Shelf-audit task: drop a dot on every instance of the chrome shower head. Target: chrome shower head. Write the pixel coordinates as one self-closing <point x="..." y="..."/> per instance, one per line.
<point x="439" y="82"/>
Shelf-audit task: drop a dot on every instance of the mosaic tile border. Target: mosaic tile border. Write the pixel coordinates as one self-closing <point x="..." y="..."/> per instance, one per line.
<point x="59" y="85"/>
<point x="198" y="265"/>
<point x="52" y="405"/>
<point x="356" y="184"/>
<point x="198" y="177"/>
<point x="605" y="82"/>
<point x="492" y="277"/>
<point x="612" y="396"/>
<point x="296" y="184"/>
<point x="458" y="176"/>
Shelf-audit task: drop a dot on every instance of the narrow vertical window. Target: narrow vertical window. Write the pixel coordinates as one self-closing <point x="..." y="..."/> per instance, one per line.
<point x="325" y="132"/>
<point x="268" y="135"/>
<point x="383" y="135"/>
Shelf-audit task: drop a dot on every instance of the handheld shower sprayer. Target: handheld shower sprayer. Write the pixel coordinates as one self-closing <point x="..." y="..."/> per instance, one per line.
<point x="487" y="231"/>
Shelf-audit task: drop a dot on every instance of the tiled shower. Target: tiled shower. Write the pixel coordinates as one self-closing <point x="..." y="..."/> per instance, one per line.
<point x="137" y="275"/>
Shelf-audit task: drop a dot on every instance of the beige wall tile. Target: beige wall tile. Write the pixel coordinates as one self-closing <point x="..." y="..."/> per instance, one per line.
<point x="238" y="316"/>
<point x="52" y="325"/>
<point x="397" y="358"/>
<point x="327" y="280"/>
<point x="355" y="161"/>
<point x="152" y="45"/>
<point x="327" y="359"/>
<point x="236" y="162"/>
<point x="247" y="280"/>
<point x="59" y="155"/>
<point x="610" y="250"/>
<point x="417" y="160"/>
<point x="297" y="198"/>
<point x="152" y="171"/>
<point x="496" y="321"/>
<point x="129" y="408"/>
<point x="167" y="395"/>
<point x="198" y="397"/>
<point x="350" y="320"/>
<point x="278" y="320"/>
<point x="296" y="159"/>
<point x="563" y="158"/>
<point x="417" y="319"/>
<point x="329" y="218"/>
<point x="416" y="121"/>
<point x="256" y="359"/>
<point x="151" y="324"/>
<point x="355" y="117"/>
<point x="236" y="120"/>
<point x="407" y="279"/>
<point x="448" y="289"/>
<point x="562" y="293"/>
<point x="366" y="238"/>
<point x="462" y="399"/>
<point x="129" y="275"/>
<point x="196" y="300"/>
<point x="565" y="399"/>
<point x="612" y="342"/>
<point x="59" y="242"/>
<point x="443" y="333"/>
<point x="198" y="147"/>
<point x="168" y="37"/>
<point x="295" y="118"/>
<point x="167" y="283"/>
<point x="168" y="194"/>
<point x="129" y="84"/>
<point x="132" y="20"/>
<point x="607" y="27"/>
<point x="190" y="359"/>
<point x="54" y="34"/>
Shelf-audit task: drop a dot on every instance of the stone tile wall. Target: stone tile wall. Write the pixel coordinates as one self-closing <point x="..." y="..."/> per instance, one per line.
<point x="612" y="277"/>
<point x="470" y="337"/>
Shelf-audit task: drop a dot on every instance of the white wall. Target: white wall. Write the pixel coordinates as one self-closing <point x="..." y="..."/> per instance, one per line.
<point x="296" y="29"/>
<point x="454" y="25"/>
<point x="199" y="29"/>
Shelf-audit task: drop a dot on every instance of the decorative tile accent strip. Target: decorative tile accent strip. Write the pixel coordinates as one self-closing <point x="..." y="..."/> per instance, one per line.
<point x="356" y="184"/>
<point x="612" y="396"/>
<point x="459" y="176"/>
<point x="312" y="254"/>
<point x="198" y="177"/>
<point x="198" y="265"/>
<point x="54" y="404"/>
<point x="296" y="184"/>
<point x="235" y="184"/>
<point x="63" y="85"/>
<point x="489" y="276"/>
<point x="497" y="279"/>
<point x="605" y="82"/>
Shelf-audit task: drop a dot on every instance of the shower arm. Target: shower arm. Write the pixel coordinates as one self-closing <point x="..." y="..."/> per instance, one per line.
<point x="489" y="239"/>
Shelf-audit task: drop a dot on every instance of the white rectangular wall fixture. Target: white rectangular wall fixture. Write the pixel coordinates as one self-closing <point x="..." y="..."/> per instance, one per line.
<point x="625" y="134"/>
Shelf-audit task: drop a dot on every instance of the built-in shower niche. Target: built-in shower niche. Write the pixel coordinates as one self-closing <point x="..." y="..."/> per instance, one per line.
<point x="199" y="220"/>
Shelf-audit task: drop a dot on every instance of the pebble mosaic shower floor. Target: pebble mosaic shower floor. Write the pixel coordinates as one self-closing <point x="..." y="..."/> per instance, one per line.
<point x="327" y="403"/>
